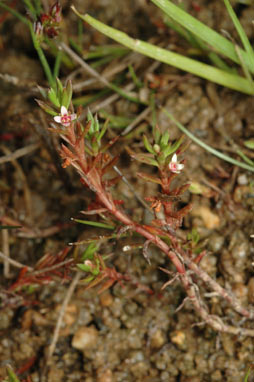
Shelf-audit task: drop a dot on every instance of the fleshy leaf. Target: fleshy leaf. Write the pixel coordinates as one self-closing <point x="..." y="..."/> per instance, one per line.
<point x="145" y="158"/>
<point x="59" y="90"/>
<point x="89" y="251"/>
<point x="164" y="139"/>
<point x="11" y="375"/>
<point x="172" y="149"/>
<point x="148" y="146"/>
<point x="67" y="95"/>
<point x="249" y="143"/>
<point x="149" y="178"/>
<point x="53" y="98"/>
<point x="84" y="267"/>
<point x="46" y="107"/>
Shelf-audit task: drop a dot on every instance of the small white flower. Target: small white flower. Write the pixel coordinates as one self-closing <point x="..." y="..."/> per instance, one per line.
<point x="174" y="166"/>
<point x="65" y="118"/>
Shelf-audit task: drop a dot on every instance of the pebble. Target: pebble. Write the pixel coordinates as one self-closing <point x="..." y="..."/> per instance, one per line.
<point x="106" y="299"/>
<point x="242" y="180"/>
<point x="85" y="338"/>
<point x="55" y="375"/>
<point x="157" y="339"/>
<point x="104" y="375"/>
<point x="178" y="337"/>
<point x="210" y="219"/>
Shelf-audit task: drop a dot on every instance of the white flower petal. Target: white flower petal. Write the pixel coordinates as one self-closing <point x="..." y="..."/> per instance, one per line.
<point x="73" y="116"/>
<point x="64" y="111"/>
<point x="174" y="158"/>
<point x="57" y="119"/>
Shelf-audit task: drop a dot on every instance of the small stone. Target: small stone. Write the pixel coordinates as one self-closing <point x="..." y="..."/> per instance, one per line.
<point x="139" y="369"/>
<point x="178" y="337"/>
<point x="242" y="180"/>
<point x="216" y="376"/>
<point x="210" y="219"/>
<point x="70" y="314"/>
<point x="240" y="291"/>
<point x="157" y="339"/>
<point x="55" y="375"/>
<point x="104" y="375"/>
<point x="106" y="299"/>
<point x="85" y="338"/>
<point x="6" y="317"/>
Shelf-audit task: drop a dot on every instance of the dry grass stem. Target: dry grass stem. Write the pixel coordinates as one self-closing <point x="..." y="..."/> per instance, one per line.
<point x="6" y="252"/>
<point x="15" y="263"/>
<point x="67" y="298"/>
<point x="19" y="153"/>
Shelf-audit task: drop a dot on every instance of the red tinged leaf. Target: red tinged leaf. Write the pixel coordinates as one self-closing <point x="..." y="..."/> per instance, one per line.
<point x="149" y="177"/>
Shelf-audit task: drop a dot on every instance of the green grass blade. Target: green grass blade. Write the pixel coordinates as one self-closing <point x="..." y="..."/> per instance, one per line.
<point x="106" y="50"/>
<point x="206" y="147"/>
<point x="208" y="72"/>
<point x="218" y="42"/>
<point x="11" y="375"/>
<point x="10" y="226"/>
<point x="199" y="44"/>
<point x="14" y="13"/>
<point x="57" y="64"/>
<point x="88" y="99"/>
<point x="247" y="375"/>
<point x="94" y="224"/>
<point x="42" y="57"/>
<point x="241" y="33"/>
<point x="31" y="8"/>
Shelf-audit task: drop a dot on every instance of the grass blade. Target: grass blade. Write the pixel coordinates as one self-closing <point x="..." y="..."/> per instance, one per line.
<point x="214" y="39"/>
<point x="94" y="224"/>
<point x="208" y="72"/>
<point x="206" y="147"/>
<point x="241" y="33"/>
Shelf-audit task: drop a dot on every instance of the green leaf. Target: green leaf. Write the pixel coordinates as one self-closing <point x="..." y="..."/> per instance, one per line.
<point x="59" y="90"/>
<point x="195" y="188"/>
<point x="193" y="236"/>
<point x="249" y="143"/>
<point x="103" y="130"/>
<point x="46" y="107"/>
<point x="134" y="77"/>
<point x="245" y="158"/>
<point x="145" y="158"/>
<point x="247" y="375"/>
<point x="67" y="95"/>
<point x="84" y="267"/>
<point x="148" y="146"/>
<point x="149" y="178"/>
<point x="242" y="35"/>
<point x="164" y="139"/>
<point x="208" y="35"/>
<point x="90" y="118"/>
<point x="52" y="96"/>
<point x="171" y="149"/>
<point x="156" y="133"/>
<point x="90" y="251"/>
<point x="200" y="69"/>
<point x="94" y="224"/>
<point x="12" y="376"/>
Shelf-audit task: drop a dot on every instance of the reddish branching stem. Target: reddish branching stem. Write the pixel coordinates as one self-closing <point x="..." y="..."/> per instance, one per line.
<point x="90" y="169"/>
